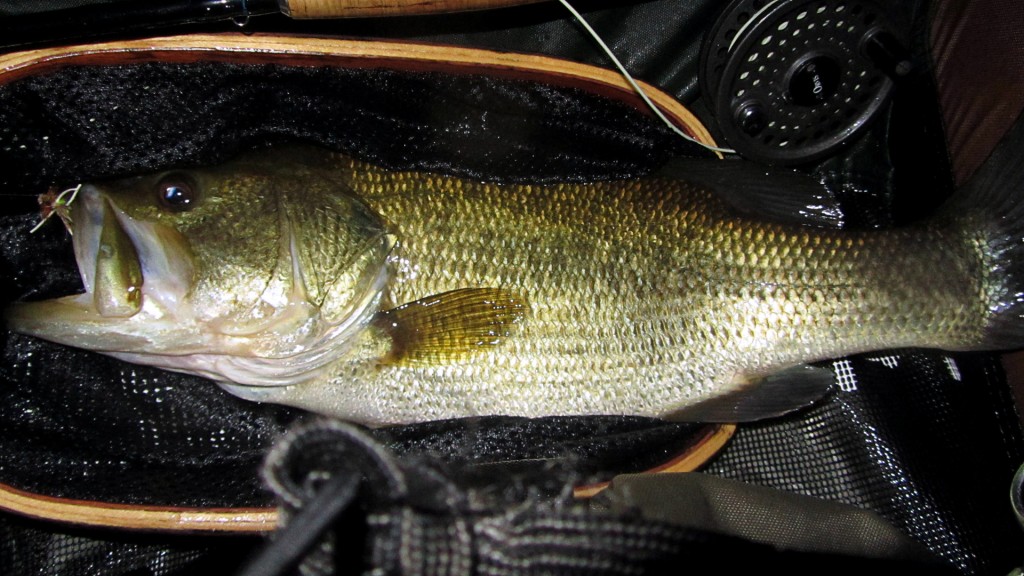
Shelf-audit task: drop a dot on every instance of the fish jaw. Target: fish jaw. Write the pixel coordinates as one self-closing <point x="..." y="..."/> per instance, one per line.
<point x="136" y="277"/>
<point x="313" y="343"/>
<point x="139" y="278"/>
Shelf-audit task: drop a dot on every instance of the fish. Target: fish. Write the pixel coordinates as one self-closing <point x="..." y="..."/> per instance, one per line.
<point x="304" y="277"/>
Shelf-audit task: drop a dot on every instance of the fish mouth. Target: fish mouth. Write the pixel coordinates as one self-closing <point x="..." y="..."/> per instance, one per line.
<point x="138" y="304"/>
<point x="107" y="259"/>
<point x="132" y="271"/>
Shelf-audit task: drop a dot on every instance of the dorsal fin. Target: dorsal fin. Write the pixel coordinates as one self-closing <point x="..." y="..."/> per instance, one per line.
<point x="769" y="193"/>
<point x="446" y="327"/>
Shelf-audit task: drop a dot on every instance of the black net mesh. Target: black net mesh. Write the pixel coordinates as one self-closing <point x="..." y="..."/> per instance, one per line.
<point x="31" y="547"/>
<point x="920" y="435"/>
<point x="87" y="122"/>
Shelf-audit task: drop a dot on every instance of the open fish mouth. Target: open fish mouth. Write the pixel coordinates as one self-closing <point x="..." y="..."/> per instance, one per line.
<point x="140" y="305"/>
<point x="107" y="258"/>
<point x="132" y="272"/>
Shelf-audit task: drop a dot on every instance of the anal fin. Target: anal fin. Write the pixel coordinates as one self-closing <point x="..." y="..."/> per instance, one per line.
<point x="762" y="397"/>
<point x="450" y="326"/>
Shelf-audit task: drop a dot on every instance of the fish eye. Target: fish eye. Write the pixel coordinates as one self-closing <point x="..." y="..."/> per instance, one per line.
<point x="177" y="192"/>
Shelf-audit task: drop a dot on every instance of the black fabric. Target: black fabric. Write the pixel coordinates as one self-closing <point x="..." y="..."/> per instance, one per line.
<point x="930" y="453"/>
<point x="899" y="170"/>
<point x="34" y="547"/>
<point x="15" y="7"/>
<point x="657" y="40"/>
<point x="928" y="441"/>
<point x="496" y="449"/>
<point x="410" y="517"/>
<point x="89" y="122"/>
<point x="711" y="503"/>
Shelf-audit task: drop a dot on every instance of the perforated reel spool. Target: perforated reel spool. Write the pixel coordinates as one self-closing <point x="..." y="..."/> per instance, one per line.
<point x="791" y="81"/>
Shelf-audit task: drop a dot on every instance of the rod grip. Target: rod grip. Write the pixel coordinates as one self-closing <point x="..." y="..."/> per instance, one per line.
<point x="313" y="9"/>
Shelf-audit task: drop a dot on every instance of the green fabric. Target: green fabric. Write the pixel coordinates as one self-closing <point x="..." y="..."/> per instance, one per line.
<point x="764" y="515"/>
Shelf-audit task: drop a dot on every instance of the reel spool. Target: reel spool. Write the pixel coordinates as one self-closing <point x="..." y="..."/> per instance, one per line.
<point x="790" y="81"/>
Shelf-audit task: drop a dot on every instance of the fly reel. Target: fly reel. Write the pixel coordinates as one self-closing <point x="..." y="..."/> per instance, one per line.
<point x="791" y="81"/>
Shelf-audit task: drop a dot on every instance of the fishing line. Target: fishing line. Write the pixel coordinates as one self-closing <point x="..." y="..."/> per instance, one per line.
<point x="633" y="83"/>
<point x="755" y="19"/>
<point x="242" y="19"/>
<point x="58" y="206"/>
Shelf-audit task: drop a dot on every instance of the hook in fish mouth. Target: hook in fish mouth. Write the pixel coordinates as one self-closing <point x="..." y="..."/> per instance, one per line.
<point x="105" y="252"/>
<point x="140" y="303"/>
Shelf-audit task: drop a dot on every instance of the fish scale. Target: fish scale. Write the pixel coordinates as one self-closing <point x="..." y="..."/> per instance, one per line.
<point x="431" y="297"/>
<point x="775" y="297"/>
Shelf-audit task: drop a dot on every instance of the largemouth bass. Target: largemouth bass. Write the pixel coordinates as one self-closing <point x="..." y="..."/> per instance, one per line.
<point x="306" y="278"/>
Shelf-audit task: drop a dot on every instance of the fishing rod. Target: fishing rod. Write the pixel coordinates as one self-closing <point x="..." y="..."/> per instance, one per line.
<point x="21" y="29"/>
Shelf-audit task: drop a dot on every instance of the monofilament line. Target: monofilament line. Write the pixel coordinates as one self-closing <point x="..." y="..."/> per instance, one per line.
<point x="640" y="91"/>
<point x="59" y="203"/>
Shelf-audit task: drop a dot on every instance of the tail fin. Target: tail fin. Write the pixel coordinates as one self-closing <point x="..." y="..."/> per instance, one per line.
<point x="990" y="209"/>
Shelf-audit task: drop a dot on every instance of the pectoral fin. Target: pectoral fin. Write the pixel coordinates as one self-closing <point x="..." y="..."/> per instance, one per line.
<point x="764" y="397"/>
<point x="452" y="325"/>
